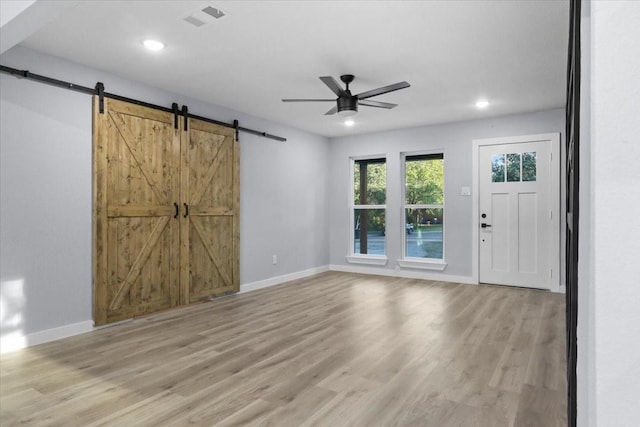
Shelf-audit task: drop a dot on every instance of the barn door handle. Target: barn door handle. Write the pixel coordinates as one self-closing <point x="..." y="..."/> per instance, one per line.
<point x="177" y="207"/>
<point x="483" y="225"/>
<point x="186" y="210"/>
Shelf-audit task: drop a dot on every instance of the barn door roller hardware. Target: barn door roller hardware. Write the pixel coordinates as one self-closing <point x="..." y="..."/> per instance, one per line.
<point x="100" y="93"/>
<point x="236" y="126"/>
<point x="185" y="114"/>
<point x="99" y="90"/>
<point x="176" y="113"/>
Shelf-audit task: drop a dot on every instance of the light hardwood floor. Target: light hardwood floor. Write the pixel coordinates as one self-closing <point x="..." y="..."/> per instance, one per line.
<point x="335" y="349"/>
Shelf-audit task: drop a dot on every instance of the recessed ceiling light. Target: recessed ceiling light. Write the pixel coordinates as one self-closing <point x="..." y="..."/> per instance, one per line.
<point x="481" y="104"/>
<point x="153" y="45"/>
<point x="349" y="122"/>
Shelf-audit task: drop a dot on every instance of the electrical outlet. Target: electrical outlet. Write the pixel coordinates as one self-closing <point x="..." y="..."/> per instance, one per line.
<point x="275" y="259"/>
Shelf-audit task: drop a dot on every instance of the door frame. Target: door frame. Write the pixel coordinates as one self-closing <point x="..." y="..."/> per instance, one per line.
<point x="554" y="197"/>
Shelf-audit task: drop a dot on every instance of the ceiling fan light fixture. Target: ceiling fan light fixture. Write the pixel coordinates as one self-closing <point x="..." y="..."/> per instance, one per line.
<point x="347" y="105"/>
<point x="347" y="113"/>
<point x="349" y="122"/>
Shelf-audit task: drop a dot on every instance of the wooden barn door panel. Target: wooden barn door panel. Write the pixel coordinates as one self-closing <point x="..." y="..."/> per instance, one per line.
<point x="166" y="211"/>
<point x="210" y="189"/>
<point x="136" y="237"/>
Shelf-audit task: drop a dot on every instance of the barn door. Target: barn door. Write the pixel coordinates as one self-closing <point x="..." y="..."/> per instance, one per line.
<point x="166" y="211"/>
<point x="136" y="233"/>
<point x="210" y="221"/>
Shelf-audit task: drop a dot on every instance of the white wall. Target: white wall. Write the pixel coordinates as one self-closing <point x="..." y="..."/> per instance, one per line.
<point x="611" y="277"/>
<point x="46" y="200"/>
<point x="21" y="18"/>
<point x="11" y="9"/>
<point x="45" y="206"/>
<point x="455" y="141"/>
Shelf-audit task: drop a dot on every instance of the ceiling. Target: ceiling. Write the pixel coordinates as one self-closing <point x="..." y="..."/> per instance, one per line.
<point x="513" y="53"/>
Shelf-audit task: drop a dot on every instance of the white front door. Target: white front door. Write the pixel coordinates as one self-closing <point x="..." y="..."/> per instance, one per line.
<point x="516" y="213"/>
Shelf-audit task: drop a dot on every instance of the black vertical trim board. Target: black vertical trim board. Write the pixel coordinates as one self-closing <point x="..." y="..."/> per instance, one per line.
<point x="573" y="175"/>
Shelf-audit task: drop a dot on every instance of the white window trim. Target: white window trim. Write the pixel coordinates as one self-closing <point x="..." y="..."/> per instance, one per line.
<point x="426" y="264"/>
<point x="367" y="259"/>
<point x="368" y="206"/>
<point x="415" y="262"/>
<point x="352" y="257"/>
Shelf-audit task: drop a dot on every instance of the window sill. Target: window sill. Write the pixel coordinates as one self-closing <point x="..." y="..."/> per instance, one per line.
<point x="367" y="259"/>
<point x="423" y="265"/>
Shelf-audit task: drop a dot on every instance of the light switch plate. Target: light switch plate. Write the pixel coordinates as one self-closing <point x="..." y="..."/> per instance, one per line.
<point x="465" y="191"/>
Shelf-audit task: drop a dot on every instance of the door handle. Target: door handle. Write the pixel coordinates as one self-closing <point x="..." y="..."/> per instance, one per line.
<point x="186" y="210"/>
<point x="177" y="207"/>
<point x="483" y="225"/>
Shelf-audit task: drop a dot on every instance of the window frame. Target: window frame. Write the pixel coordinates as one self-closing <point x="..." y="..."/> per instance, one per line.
<point x="358" y="258"/>
<point x="417" y="262"/>
<point x="521" y="169"/>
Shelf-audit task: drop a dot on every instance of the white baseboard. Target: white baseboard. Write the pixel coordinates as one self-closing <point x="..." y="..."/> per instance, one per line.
<point x="248" y="287"/>
<point x="17" y="340"/>
<point x="403" y="273"/>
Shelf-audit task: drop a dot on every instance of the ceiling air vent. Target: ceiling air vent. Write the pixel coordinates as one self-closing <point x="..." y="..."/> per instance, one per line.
<point x="194" y="21"/>
<point x="213" y="11"/>
<point x="204" y="15"/>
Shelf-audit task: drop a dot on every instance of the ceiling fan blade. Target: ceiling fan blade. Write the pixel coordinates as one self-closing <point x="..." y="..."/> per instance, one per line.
<point x="370" y="103"/>
<point x="308" y="100"/>
<point x="332" y="111"/>
<point x="333" y="85"/>
<point x="381" y="90"/>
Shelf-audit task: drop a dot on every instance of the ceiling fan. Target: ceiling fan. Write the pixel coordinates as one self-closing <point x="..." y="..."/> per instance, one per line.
<point x="346" y="103"/>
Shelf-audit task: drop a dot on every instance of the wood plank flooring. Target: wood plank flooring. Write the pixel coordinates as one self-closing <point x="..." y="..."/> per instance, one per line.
<point x="334" y="349"/>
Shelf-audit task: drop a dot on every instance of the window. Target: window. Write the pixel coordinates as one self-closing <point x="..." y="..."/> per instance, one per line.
<point x="368" y="206"/>
<point x="424" y="207"/>
<point x="516" y="169"/>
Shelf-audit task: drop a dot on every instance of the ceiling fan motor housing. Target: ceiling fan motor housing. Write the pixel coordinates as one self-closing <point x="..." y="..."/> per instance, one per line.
<point x="347" y="105"/>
